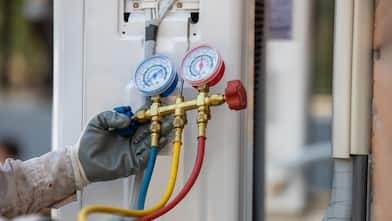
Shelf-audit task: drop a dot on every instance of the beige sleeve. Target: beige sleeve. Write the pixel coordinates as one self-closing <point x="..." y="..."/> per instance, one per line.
<point x="26" y="218"/>
<point x="27" y="187"/>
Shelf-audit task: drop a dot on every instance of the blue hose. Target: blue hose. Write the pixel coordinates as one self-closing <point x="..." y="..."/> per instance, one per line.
<point x="147" y="178"/>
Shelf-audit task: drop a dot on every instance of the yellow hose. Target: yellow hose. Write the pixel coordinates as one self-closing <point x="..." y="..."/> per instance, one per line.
<point x="138" y="213"/>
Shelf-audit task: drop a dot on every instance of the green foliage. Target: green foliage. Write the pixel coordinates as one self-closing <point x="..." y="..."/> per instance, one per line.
<point x="22" y="42"/>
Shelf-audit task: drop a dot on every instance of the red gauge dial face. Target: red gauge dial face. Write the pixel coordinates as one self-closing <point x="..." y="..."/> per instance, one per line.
<point x="201" y="65"/>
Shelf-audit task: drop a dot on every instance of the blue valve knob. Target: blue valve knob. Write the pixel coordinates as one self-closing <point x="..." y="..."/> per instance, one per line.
<point x="130" y="130"/>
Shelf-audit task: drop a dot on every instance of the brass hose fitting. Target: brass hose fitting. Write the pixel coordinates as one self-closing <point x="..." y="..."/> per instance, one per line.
<point x="179" y="120"/>
<point x="203" y="110"/>
<point x="155" y="126"/>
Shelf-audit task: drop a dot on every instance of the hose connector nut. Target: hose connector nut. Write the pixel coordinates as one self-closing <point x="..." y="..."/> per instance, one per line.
<point x="155" y="127"/>
<point x="202" y="117"/>
<point x="178" y="122"/>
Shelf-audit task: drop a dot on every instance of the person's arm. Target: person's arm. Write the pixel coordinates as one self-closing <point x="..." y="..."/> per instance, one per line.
<point x="100" y="155"/>
<point x="27" y="187"/>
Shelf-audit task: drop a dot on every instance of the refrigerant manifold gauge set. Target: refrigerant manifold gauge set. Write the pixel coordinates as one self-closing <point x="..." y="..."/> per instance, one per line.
<point x="157" y="75"/>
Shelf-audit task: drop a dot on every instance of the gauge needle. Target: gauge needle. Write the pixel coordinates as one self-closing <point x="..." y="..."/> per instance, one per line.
<point x="155" y="75"/>
<point x="201" y="65"/>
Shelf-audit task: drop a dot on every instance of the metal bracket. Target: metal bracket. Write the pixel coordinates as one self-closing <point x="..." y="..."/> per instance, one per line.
<point x="140" y="5"/>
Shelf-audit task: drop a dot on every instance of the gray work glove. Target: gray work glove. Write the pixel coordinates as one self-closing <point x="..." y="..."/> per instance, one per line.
<point x="101" y="154"/>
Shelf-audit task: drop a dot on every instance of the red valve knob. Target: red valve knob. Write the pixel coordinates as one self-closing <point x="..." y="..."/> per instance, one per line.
<point x="235" y="95"/>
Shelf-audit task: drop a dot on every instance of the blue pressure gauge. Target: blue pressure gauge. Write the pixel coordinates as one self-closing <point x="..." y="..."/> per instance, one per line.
<point x="156" y="75"/>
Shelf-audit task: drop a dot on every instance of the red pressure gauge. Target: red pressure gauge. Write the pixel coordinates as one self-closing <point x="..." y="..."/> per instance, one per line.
<point x="202" y="65"/>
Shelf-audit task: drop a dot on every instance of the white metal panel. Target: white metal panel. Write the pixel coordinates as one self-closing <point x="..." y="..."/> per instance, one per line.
<point x="361" y="91"/>
<point x="352" y="77"/>
<point x="106" y="60"/>
<point x="216" y="194"/>
<point x="247" y="133"/>
<point x="344" y="11"/>
<point x="68" y="69"/>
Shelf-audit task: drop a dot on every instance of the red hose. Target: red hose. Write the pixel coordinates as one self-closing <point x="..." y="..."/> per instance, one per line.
<point x="188" y="185"/>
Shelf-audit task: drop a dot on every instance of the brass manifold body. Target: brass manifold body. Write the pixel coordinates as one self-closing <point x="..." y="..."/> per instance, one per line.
<point x="202" y="103"/>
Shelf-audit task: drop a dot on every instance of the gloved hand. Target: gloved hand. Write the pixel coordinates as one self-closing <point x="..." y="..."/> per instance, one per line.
<point x="102" y="154"/>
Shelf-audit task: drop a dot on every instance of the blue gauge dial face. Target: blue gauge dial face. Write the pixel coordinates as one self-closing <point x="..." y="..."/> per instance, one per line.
<point x="154" y="75"/>
<point x="200" y="64"/>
